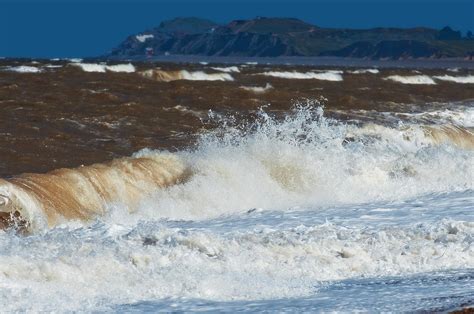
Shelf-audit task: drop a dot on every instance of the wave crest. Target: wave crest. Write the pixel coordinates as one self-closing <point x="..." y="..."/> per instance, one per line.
<point x="276" y="162"/>
<point x="86" y="192"/>
<point x="168" y="76"/>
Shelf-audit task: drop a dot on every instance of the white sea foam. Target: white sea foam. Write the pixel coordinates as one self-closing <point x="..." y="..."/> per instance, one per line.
<point x="462" y="117"/>
<point x="456" y="115"/>
<point x="334" y="76"/>
<point x="277" y="208"/>
<point x="144" y="37"/>
<point x="203" y="76"/>
<point x="274" y="256"/>
<point x="23" y="69"/>
<point x="186" y="110"/>
<point x="227" y="69"/>
<point x="331" y="71"/>
<point x="363" y="71"/>
<point x="457" y="79"/>
<point x="125" y="68"/>
<point x="258" y="89"/>
<point x="91" y="67"/>
<point x="308" y="160"/>
<point x="413" y="79"/>
<point x="102" y="68"/>
<point x="292" y="171"/>
<point x="53" y="66"/>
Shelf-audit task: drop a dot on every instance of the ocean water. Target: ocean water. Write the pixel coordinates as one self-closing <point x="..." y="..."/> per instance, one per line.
<point x="294" y="212"/>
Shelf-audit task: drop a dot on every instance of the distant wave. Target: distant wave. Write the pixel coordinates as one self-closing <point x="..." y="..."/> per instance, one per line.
<point x="457" y="79"/>
<point x="23" y="69"/>
<point x="53" y="66"/>
<point x="424" y="134"/>
<point x="412" y="79"/>
<point x="458" y="114"/>
<point x="102" y="68"/>
<point x="258" y="89"/>
<point x="427" y="80"/>
<point x="73" y="60"/>
<point x="334" y="76"/>
<point x="168" y="76"/>
<point x="126" y="68"/>
<point x="463" y="117"/>
<point x="364" y="71"/>
<point x="227" y="69"/>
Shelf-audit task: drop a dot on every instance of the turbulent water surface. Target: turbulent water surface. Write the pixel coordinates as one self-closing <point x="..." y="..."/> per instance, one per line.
<point x="265" y="189"/>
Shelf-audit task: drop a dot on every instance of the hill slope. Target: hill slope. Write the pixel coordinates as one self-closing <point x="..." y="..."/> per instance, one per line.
<point x="271" y="37"/>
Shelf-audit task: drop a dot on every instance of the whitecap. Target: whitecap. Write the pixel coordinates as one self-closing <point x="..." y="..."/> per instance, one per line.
<point x="227" y="69"/>
<point x="412" y="79"/>
<point x="257" y="89"/>
<point x="23" y="69"/>
<point x="168" y="76"/>
<point x="334" y="76"/>
<point x="457" y="79"/>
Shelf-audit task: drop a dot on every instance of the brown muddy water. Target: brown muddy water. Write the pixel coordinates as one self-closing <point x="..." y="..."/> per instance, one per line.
<point x="294" y="188"/>
<point x="66" y="117"/>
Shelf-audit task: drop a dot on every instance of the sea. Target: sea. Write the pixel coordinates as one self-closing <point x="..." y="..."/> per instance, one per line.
<point x="237" y="187"/>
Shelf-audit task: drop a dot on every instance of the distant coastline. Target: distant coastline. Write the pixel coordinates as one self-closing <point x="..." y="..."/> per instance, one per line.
<point x="290" y="37"/>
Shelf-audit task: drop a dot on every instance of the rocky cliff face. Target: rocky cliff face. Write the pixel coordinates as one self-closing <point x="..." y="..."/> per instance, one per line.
<point x="388" y="49"/>
<point x="271" y="37"/>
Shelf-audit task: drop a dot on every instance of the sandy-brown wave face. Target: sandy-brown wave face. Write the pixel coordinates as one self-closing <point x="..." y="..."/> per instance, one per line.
<point x="162" y="76"/>
<point x="85" y="192"/>
<point x="168" y="76"/>
<point x="462" y="137"/>
<point x="459" y="136"/>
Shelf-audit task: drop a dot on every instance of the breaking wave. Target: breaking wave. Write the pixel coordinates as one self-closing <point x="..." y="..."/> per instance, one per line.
<point x="102" y="68"/>
<point x="227" y="69"/>
<point x="424" y="135"/>
<point x="168" y="76"/>
<point x="258" y="89"/>
<point x="334" y="76"/>
<point x="270" y="207"/>
<point x="456" y="114"/>
<point x="42" y="200"/>
<point x="457" y="79"/>
<point x="427" y="80"/>
<point x="23" y="69"/>
<point x="304" y="159"/>
<point x="412" y="79"/>
<point x="364" y="71"/>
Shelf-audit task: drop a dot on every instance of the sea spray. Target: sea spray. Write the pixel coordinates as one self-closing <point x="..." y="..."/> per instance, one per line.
<point x="296" y="210"/>
<point x="269" y="162"/>
<point x="306" y="159"/>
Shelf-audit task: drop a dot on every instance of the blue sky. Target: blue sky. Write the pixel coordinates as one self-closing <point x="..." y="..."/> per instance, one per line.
<point x="75" y="28"/>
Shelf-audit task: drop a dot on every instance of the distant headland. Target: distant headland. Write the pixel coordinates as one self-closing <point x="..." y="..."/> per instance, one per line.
<point x="276" y="37"/>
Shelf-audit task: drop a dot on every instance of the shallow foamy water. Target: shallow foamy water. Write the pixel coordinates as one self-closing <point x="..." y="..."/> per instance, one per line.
<point x="300" y="213"/>
<point x="345" y="257"/>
